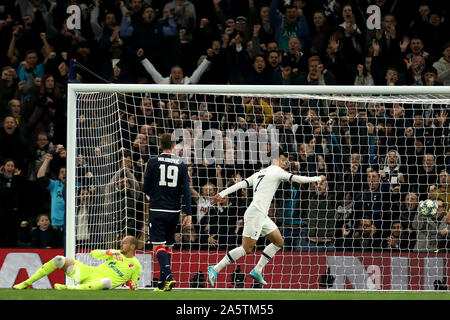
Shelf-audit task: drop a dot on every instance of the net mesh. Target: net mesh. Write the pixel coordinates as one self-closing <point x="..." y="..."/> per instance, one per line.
<point x="382" y="155"/>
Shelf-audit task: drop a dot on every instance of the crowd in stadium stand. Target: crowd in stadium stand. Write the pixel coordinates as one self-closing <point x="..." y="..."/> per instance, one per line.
<point x="380" y="159"/>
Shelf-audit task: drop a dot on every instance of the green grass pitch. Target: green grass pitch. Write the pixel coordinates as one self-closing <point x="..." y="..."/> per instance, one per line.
<point x="208" y="294"/>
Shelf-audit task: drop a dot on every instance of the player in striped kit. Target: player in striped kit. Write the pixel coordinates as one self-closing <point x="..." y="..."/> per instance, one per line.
<point x="256" y="221"/>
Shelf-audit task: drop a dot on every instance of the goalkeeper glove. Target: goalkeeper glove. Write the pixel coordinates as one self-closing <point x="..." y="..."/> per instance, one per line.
<point x="131" y="284"/>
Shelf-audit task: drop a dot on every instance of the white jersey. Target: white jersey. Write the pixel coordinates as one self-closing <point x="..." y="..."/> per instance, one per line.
<point x="265" y="183"/>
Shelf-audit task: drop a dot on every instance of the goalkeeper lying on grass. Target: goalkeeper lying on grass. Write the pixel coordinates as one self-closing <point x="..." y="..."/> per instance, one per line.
<point x="120" y="267"/>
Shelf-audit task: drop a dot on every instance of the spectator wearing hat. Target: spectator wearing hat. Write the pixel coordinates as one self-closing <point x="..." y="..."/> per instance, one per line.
<point x="242" y="28"/>
<point x="291" y="23"/>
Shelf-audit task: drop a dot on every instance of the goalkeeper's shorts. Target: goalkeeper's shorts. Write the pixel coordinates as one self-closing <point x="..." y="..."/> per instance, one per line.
<point x="82" y="273"/>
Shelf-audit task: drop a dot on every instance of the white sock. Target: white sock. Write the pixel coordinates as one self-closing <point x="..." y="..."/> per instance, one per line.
<point x="230" y="258"/>
<point x="266" y="255"/>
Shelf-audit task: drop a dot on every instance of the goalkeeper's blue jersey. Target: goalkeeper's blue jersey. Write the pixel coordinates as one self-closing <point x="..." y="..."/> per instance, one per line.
<point x="166" y="182"/>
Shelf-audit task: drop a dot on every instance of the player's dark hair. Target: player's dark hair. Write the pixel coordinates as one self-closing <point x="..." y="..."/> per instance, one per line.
<point x="165" y="141"/>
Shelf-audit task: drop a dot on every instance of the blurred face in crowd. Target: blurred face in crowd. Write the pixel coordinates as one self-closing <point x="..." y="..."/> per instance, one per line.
<point x="216" y="46"/>
<point x="42" y="140"/>
<point x="411" y="201"/>
<point x="319" y="19"/>
<point x="347" y="13"/>
<point x="424" y="11"/>
<point x="416" y="46"/>
<point x="249" y="47"/>
<point x="396" y="229"/>
<point x="388" y="22"/>
<point x="417" y="62"/>
<point x="84" y="196"/>
<point x="355" y="159"/>
<point x="366" y="225"/>
<point x="148" y="15"/>
<point x="9" y="125"/>
<point x="419" y="146"/>
<point x="147" y="107"/>
<point x="50" y="83"/>
<point x="264" y="13"/>
<point x="43" y="222"/>
<point x="428" y="162"/>
<point x="208" y="190"/>
<point x="435" y="20"/>
<point x="136" y="5"/>
<point x="31" y="59"/>
<point x="259" y="64"/>
<point x="230" y="23"/>
<point x="15" y="107"/>
<point x="291" y="15"/>
<point x="430" y="77"/>
<point x="273" y="59"/>
<point x="294" y="45"/>
<point x="373" y="180"/>
<point x="9" y="168"/>
<point x="127" y="162"/>
<point x="418" y="121"/>
<point x="322" y="188"/>
<point x="446" y="54"/>
<point x="241" y="25"/>
<point x="444" y="178"/>
<point x="312" y="66"/>
<point x="273" y="46"/>
<point x="392" y="159"/>
<point x="189" y="234"/>
<point x="110" y="20"/>
<point x="62" y="175"/>
<point x="177" y="75"/>
<point x="303" y="151"/>
<point x="391" y="76"/>
<point x="351" y="110"/>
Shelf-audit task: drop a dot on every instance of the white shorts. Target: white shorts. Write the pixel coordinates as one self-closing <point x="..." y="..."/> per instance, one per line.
<point x="257" y="224"/>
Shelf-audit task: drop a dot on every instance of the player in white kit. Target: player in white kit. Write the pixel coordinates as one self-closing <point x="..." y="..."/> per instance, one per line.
<point x="256" y="220"/>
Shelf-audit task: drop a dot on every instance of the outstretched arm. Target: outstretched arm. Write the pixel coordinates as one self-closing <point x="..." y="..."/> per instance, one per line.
<point x="246" y="183"/>
<point x="156" y="76"/>
<point x="195" y="77"/>
<point x="106" y="254"/>
<point x="303" y="179"/>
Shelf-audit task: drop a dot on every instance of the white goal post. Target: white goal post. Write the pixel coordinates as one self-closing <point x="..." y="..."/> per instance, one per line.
<point x="406" y="96"/>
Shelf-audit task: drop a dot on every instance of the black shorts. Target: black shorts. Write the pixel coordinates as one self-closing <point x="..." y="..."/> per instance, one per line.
<point x="162" y="227"/>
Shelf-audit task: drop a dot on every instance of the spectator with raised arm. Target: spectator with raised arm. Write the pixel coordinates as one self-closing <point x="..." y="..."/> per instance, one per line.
<point x="288" y="24"/>
<point x="176" y="74"/>
<point x="315" y="75"/>
<point x="55" y="188"/>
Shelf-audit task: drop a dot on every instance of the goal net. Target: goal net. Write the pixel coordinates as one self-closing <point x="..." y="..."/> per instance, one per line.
<point x="384" y="150"/>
